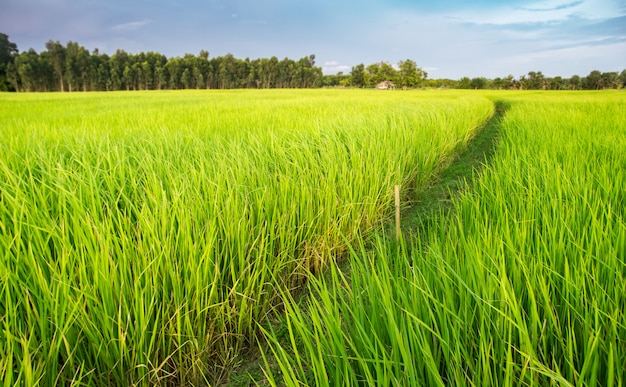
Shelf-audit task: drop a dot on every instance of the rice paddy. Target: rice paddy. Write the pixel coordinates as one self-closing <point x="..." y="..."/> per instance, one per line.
<point x="153" y="238"/>
<point x="521" y="282"/>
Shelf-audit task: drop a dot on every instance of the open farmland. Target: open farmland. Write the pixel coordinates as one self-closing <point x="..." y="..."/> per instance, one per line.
<point x="521" y="280"/>
<point x="144" y="236"/>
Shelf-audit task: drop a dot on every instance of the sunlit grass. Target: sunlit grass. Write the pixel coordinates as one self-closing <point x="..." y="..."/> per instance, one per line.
<point x="523" y="282"/>
<point x="144" y="236"/>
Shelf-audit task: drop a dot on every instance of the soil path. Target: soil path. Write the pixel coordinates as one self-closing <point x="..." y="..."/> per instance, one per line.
<point x="459" y="175"/>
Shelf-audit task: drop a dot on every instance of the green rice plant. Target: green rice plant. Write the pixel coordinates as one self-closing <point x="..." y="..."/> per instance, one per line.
<point x="144" y="236"/>
<point x="522" y="282"/>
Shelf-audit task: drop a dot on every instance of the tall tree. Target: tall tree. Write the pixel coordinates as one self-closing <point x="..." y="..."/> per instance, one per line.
<point x="575" y="82"/>
<point x="535" y="81"/>
<point x="381" y="71"/>
<point x="358" y="75"/>
<point x="593" y="81"/>
<point x="25" y="65"/>
<point x="83" y="63"/>
<point x="464" y="83"/>
<point x="410" y="75"/>
<point x="479" y="83"/>
<point x="509" y="82"/>
<point x="8" y="50"/>
<point x="77" y="66"/>
<point x="101" y="70"/>
<point x="557" y="83"/>
<point x="33" y="70"/>
<point x="174" y="68"/>
<point x="57" y="58"/>
<point x="609" y="80"/>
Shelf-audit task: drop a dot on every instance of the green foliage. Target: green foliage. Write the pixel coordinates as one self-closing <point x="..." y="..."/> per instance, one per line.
<point x="409" y="75"/>
<point x="378" y="72"/>
<point x="8" y="50"/>
<point x="535" y="80"/>
<point x="73" y="68"/>
<point x="358" y="75"/>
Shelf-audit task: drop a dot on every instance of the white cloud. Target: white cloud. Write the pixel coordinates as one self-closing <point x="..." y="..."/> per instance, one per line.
<point x="568" y="61"/>
<point x="333" y="67"/>
<point x="555" y="7"/>
<point x="541" y="12"/>
<point x="131" y="26"/>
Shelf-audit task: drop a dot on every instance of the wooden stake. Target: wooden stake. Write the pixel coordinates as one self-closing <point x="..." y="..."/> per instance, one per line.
<point x="397" y="194"/>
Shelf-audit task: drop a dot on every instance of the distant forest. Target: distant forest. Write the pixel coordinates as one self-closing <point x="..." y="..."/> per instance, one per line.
<point x="71" y="67"/>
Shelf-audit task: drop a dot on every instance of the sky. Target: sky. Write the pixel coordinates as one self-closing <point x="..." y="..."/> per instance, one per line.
<point x="446" y="38"/>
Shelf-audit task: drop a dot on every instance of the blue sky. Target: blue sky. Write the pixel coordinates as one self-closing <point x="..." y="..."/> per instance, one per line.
<point x="447" y="38"/>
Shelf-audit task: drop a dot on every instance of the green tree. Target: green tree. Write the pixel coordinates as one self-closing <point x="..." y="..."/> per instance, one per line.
<point x="497" y="83"/>
<point x="307" y="72"/>
<point x="593" y="81"/>
<point x="202" y="70"/>
<point x="153" y="70"/>
<point x="522" y="82"/>
<point x="226" y="72"/>
<point x="358" y="75"/>
<point x="138" y="77"/>
<point x="479" y="83"/>
<point x="161" y="77"/>
<point x="77" y="67"/>
<point x="175" y="69"/>
<point x="12" y="77"/>
<point x="464" y="83"/>
<point x="381" y="71"/>
<point x="26" y="67"/>
<point x="557" y="83"/>
<point x="575" y="82"/>
<point x="609" y="80"/>
<point x="119" y="61"/>
<point x="509" y="82"/>
<point x="83" y="63"/>
<point x="8" y="50"/>
<point x="57" y="58"/>
<point x="32" y="72"/>
<point x="285" y="74"/>
<point x="267" y="72"/>
<point x="101" y="70"/>
<point x="535" y="81"/>
<point x="410" y="75"/>
<point x="252" y="74"/>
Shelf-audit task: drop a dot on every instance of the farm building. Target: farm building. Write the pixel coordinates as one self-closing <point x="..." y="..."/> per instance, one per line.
<point x="385" y="85"/>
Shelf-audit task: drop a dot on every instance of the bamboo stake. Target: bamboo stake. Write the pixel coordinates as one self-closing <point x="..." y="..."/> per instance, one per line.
<point x="397" y="195"/>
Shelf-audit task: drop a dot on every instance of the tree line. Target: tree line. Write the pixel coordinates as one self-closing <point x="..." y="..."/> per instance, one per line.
<point x="71" y="67"/>
<point x="534" y="80"/>
<point x="406" y="74"/>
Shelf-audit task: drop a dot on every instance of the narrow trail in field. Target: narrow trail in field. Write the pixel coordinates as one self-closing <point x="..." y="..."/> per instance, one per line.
<point x="416" y="216"/>
<point x="456" y="177"/>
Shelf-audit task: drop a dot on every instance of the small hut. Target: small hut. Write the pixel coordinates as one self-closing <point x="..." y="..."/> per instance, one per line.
<point x="385" y="85"/>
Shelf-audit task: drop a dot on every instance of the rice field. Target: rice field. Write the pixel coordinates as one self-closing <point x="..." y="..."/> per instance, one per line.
<point x="147" y="238"/>
<point x="521" y="281"/>
<point x="155" y="238"/>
